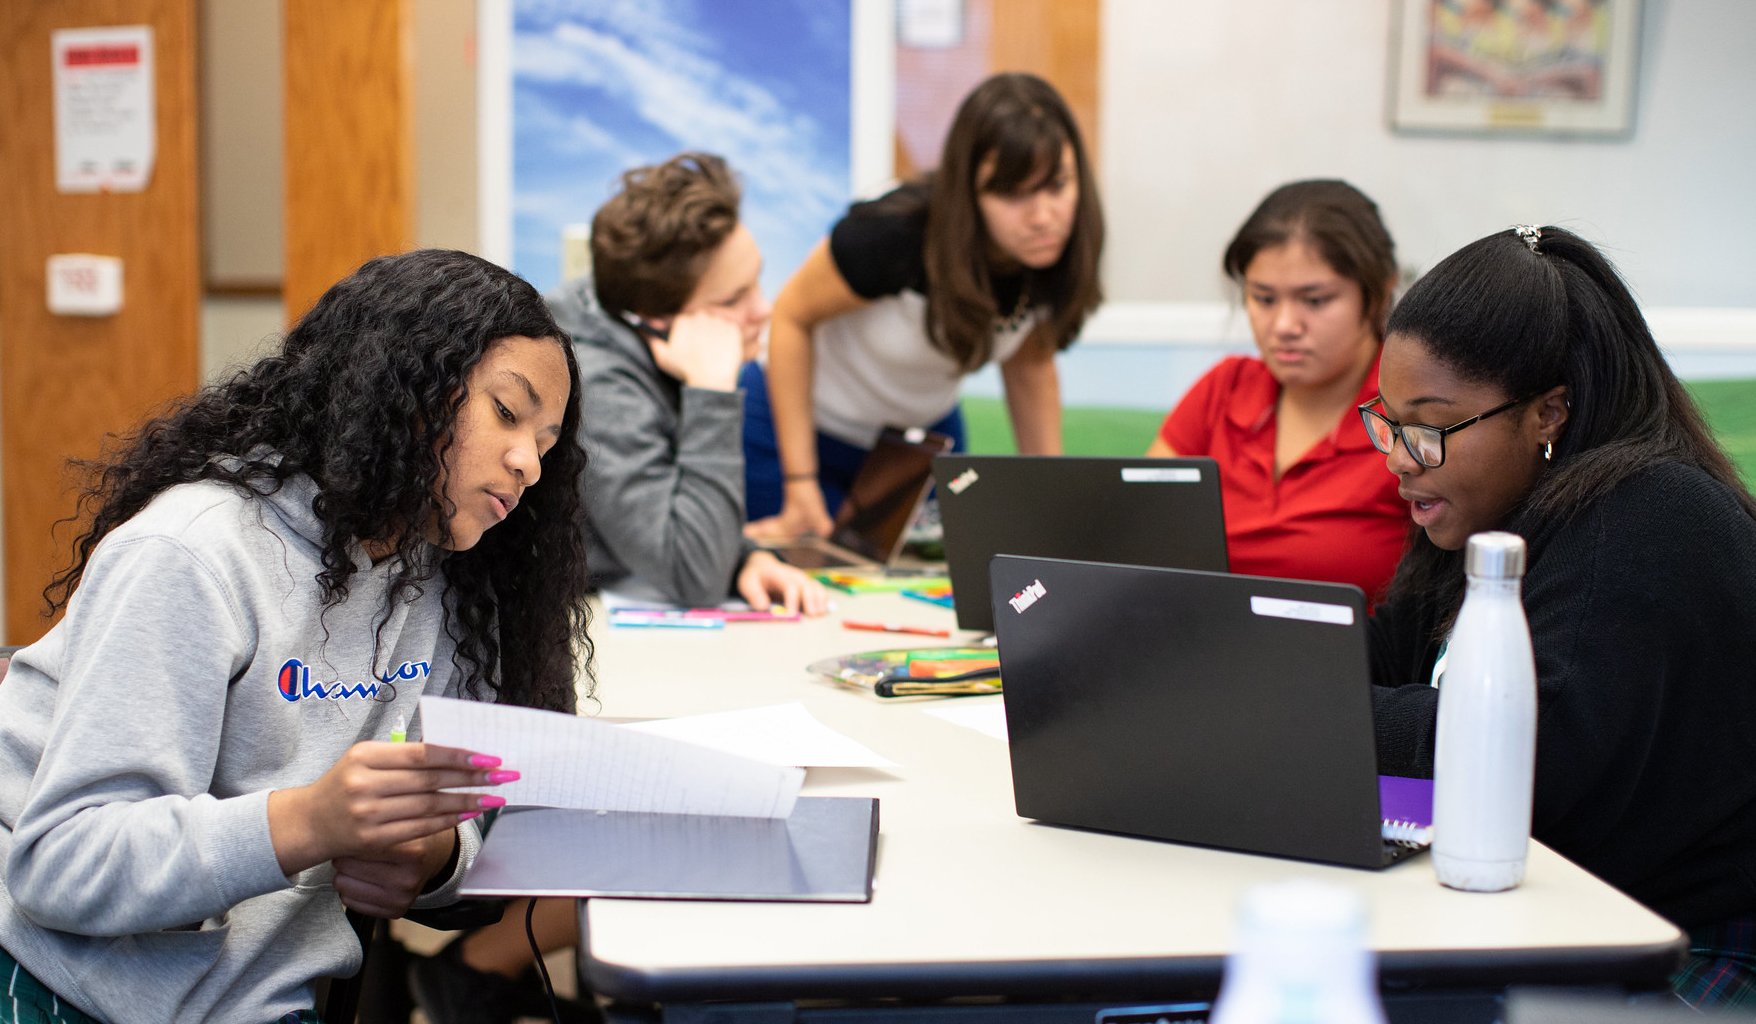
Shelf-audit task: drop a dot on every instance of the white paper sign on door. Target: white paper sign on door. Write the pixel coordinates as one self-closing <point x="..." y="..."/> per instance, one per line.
<point x="106" y="120"/>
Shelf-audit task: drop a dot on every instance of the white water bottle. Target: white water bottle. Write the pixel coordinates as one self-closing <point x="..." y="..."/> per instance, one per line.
<point x="1484" y="764"/>
<point x="1300" y="957"/>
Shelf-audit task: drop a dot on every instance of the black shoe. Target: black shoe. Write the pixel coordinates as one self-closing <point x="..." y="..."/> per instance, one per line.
<point x="450" y="991"/>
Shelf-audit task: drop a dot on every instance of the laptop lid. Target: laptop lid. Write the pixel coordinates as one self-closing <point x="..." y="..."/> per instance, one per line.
<point x="1205" y="708"/>
<point x="884" y="498"/>
<point x="1133" y="511"/>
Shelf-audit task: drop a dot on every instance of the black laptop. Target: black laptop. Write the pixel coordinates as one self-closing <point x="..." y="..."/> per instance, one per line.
<point x="1205" y="708"/>
<point x="1134" y="511"/>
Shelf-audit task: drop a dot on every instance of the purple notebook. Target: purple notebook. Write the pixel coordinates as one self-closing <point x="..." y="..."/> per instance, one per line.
<point x="1406" y="806"/>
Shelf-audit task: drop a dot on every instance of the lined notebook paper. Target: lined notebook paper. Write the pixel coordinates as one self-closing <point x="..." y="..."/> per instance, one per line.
<point x="1407" y="808"/>
<point x="569" y="761"/>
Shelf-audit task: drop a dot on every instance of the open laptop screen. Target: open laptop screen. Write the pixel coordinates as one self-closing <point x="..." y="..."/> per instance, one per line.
<point x="1206" y="708"/>
<point x="1164" y="512"/>
<point x="881" y="503"/>
<point x="887" y="493"/>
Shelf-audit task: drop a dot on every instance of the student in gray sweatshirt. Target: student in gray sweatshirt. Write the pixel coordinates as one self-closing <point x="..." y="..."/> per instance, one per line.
<point x="670" y="313"/>
<point x="195" y="773"/>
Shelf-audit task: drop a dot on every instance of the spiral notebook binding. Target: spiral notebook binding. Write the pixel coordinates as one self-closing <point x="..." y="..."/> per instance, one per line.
<point x="1408" y="833"/>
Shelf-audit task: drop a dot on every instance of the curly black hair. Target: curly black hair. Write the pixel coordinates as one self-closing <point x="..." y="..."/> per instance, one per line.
<point x="363" y="397"/>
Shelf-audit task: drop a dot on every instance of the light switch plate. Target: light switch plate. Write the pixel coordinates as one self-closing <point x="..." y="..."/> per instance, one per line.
<point x="83" y="284"/>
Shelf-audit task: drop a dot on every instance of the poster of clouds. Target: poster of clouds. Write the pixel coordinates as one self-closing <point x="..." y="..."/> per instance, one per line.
<point x="600" y="86"/>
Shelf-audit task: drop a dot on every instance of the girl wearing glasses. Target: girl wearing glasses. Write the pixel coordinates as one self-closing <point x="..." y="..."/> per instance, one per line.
<point x="1305" y="496"/>
<point x="1521" y="390"/>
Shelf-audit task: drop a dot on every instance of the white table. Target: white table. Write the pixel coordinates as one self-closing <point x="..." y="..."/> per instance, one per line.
<point x="971" y="900"/>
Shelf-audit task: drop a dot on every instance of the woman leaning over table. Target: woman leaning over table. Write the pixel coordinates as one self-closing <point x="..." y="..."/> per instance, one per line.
<point x="1305" y="496"/>
<point x="1521" y="390"/>
<point x="991" y="258"/>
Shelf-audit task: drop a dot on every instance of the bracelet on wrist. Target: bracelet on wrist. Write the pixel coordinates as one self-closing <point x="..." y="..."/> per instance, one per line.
<point x="789" y="477"/>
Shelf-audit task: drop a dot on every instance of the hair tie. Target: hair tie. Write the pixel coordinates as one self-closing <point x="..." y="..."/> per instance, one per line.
<point x="1531" y="235"/>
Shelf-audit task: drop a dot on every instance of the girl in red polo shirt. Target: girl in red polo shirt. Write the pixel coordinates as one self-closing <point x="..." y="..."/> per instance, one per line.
<point x="1305" y="492"/>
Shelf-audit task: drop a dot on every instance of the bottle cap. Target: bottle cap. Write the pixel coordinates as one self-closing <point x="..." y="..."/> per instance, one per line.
<point x="1496" y="556"/>
<point x="1300" y="952"/>
<point x="1303" y="907"/>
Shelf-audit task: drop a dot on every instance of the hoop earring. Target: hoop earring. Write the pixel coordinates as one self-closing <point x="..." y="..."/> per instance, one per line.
<point x="1548" y="451"/>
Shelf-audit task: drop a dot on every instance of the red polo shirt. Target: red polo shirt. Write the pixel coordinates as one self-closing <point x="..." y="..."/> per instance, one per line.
<point x="1333" y="515"/>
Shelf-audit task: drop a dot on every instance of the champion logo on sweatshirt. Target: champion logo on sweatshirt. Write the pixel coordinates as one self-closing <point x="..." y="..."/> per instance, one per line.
<point x="295" y="682"/>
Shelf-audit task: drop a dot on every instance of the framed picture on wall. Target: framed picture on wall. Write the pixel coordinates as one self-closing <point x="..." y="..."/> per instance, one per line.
<point x="1514" y="67"/>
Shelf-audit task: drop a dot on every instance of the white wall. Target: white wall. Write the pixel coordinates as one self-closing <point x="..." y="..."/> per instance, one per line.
<point x="239" y="74"/>
<point x="1207" y="106"/>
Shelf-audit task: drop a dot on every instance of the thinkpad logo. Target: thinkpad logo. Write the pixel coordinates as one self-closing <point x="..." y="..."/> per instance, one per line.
<point x="1028" y="596"/>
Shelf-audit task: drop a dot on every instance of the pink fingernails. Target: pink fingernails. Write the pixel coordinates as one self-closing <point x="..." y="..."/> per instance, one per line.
<point x="467" y="815"/>
<point x="495" y="778"/>
<point x="493" y="801"/>
<point x="484" y="761"/>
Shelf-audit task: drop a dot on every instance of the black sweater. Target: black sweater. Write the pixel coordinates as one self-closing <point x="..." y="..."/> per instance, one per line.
<point x="1642" y="611"/>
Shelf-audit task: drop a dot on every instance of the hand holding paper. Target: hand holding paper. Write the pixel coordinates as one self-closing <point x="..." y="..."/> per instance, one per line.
<point x="568" y="761"/>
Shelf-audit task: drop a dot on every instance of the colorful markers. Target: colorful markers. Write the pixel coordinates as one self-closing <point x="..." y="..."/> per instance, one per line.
<point x="891" y="627"/>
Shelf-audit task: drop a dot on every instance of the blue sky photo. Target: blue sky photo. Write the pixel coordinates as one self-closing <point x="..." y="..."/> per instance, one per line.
<point x="600" y="86"/>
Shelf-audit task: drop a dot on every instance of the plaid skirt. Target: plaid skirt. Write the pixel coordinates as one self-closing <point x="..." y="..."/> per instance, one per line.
<point x="25" y="1000"/>
<point x="1721" y="968"/>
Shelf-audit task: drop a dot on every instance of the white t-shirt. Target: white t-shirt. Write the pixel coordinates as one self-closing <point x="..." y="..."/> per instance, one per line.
<point x="876" y="366"/>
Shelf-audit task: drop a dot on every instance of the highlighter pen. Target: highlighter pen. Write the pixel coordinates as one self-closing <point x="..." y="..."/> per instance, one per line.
<point x="941" y="598"/>
<point x="748" y="615"/>
<point x="727" y="614"/>
<point x="835" y="581"/>
<point x="666" y="622"/>
<point x="722" y="614"/>
<point x="891" y="627"/>
<point x="898" y="688"/>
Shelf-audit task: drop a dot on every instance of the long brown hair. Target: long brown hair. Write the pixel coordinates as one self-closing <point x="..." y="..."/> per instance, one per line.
<point x="1022" y="124"/>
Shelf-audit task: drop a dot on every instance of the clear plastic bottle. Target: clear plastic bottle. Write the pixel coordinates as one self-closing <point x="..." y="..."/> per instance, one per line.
<point x="1300" y="957"/>
<point x="1484" y="762"/>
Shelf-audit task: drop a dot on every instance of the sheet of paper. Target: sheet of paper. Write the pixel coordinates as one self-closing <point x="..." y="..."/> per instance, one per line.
<point x="780" y="734"/>
<point x="569" y="761"/>
<point x="985" y="716"/>
<point x="106" y="117"/>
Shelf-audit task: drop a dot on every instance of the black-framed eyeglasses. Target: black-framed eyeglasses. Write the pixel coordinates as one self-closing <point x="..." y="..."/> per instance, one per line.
<point x="1426" y="444"/>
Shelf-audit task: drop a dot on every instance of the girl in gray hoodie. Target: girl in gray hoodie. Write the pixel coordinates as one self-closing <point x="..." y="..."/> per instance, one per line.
<point x="196" y="778"/>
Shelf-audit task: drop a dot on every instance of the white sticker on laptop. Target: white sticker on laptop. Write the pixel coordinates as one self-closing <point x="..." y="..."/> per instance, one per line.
<point x="961" y="481"/>
<point x="1308" y="611"/>
<point x="1161" y="475"/>
<point x="1027" y="597"/>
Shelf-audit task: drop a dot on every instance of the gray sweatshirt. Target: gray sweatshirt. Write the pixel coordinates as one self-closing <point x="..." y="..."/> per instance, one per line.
<point x="664" y="475"/>
<point x="196" y="671"/>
